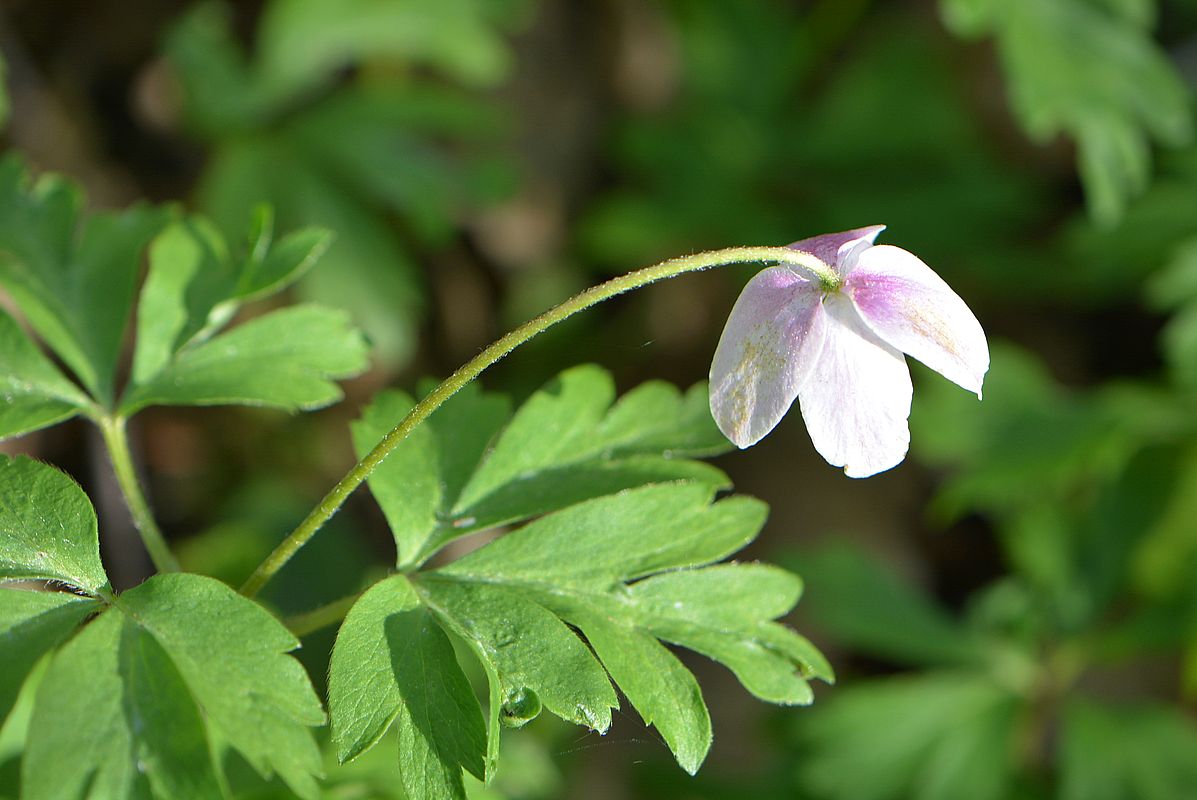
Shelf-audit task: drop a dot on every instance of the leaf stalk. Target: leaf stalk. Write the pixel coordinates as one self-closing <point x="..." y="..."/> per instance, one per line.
<point x="116" y="439"/>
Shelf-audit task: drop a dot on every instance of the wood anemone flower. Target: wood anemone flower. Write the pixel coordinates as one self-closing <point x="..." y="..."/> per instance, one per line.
<point x="834" y="340"/>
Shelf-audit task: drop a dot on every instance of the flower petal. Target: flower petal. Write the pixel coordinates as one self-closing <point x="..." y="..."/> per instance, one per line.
<point x="765" y="354"/>
<point x="911" y="308"/>
<point x="857" y="399"/>
<point x="839" y="250"/>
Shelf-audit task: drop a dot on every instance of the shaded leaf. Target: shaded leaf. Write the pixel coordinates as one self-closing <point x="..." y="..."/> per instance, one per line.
<point x="869" y="607"/>
<point x="34" y="393"/>
<point x="113" y="719"/>
<point x="392" y="664"/>
<point x="73" y="276"/>
<point x="138" y="703"/>
<point x="31" y="624"/>
<point x="1077" y="68"/>
<point x="1112" y="752"/>
<point x="232" y="654"/>
<point x="949" y="734"/>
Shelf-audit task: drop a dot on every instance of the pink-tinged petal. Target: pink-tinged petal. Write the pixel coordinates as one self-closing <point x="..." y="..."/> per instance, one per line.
<point x="765" y="354"/>
<point x="857" y="398"/>
<point x="839" y="250"/>
<point x="911" y="308"/>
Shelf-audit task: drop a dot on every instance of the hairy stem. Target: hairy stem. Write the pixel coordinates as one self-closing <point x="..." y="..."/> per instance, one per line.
<point x="332" y="501"/>
<point x="116" y="439"/>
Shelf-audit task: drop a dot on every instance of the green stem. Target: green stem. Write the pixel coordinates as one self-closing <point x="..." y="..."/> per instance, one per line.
<point x="328" y="614"/>
<point x="667" y="269"/>
<point x="117" y="440"/>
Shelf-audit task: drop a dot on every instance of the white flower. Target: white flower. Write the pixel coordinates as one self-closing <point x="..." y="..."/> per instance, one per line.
<point x="834" y="340"/>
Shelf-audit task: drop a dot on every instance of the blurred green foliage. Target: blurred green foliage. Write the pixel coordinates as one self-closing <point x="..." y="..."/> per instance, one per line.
<point x="1041" y="640"/>
<point x="340" y="117"/>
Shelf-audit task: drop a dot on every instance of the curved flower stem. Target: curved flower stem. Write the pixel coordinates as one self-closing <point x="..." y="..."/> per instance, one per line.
<point x="117" y="441"/>
<point x="471" y="369"/>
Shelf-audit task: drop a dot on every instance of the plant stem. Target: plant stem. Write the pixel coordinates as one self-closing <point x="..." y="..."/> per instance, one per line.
<point x="471" y="369"/>
<point x="117" y="440"/>
<point x="328" y="614"/>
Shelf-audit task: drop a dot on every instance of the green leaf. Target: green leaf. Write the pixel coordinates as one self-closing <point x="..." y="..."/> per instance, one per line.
<point x="529" y="648"/>
<point x="620" y="537"/>
<point x="566" y="444"/>
<point x="232" y="653"/>
<point x="31" y="624"/>
<point x="578" y="564"/>
<point x="35" y="394"/>
<point x="73" y="276"/>
<point x="287" y="359"/>
<point x="303" y="42"/>
<point x="113" y="719"/>
<point x="1111" y="752"/>
<point x="1033" y="441"/>
<point x="660" y="687"/>
<point x="189" y="274"/>
<point x="392" y="664"/>
<point x="407" y="485"/>
<point x="195" y="285"/>
<point x="1093" y="73"/>
<point x="138" y="703"/>
<point x="283" y="264"/>
<point x="937" y="736"/>
<point x="48" y="530"/>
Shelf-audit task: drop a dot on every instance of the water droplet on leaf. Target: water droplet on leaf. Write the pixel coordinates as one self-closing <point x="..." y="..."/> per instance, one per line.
<point x="521" y="707"/>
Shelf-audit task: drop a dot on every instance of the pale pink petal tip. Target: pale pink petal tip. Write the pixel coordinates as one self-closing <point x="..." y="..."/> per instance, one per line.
<point x="912" y="309"/>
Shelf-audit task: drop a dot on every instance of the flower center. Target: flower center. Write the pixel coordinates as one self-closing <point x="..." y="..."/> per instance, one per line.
<point x="830" y="283"/>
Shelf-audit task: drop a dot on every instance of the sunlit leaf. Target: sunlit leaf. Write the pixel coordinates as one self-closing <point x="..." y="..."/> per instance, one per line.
<point x="48" y="530"/>
<point x="465" y="470"/>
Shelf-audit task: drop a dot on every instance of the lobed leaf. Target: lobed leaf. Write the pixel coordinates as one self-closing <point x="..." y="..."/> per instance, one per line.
<point x="659" y="686"/>
<point x="112" y="719"/>
<point x="464" y="470"/>
<point x="287" y="359"/>
<point x="619" y="554"/>
<point x="195" y="286"/>
<point x="74" y="277"/>
<point x="232" y="654"/>
<point x="575" y="564"/>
